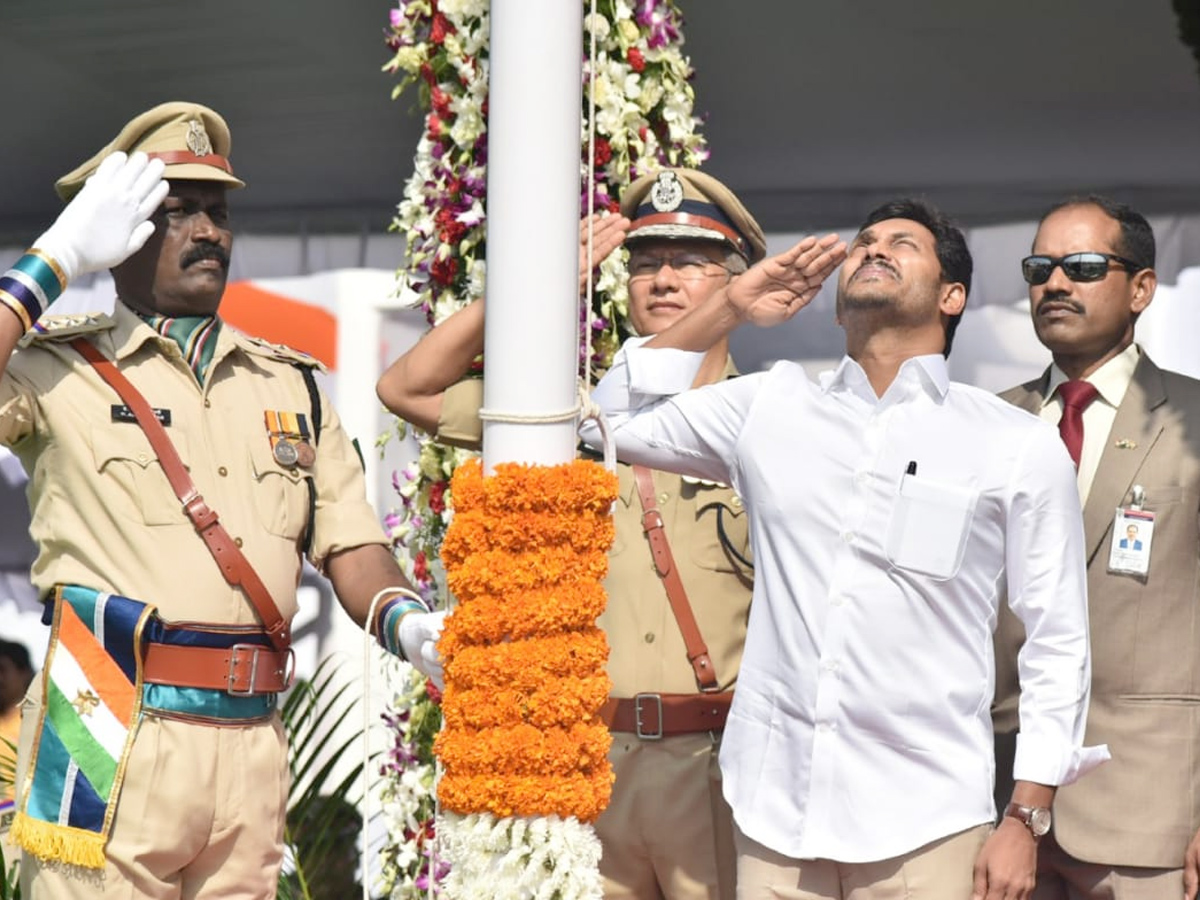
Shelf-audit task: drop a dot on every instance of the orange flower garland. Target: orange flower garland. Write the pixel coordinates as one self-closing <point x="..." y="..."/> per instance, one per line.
<point x="525" y="554"/>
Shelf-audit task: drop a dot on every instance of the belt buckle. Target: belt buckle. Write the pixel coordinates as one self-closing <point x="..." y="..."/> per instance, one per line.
<point x="235" y="651"/>
<point x="289" y="671"/>
<point x="638" y="700"/>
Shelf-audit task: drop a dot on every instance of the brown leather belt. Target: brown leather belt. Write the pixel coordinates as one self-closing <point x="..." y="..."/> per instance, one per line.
<point x="242" y="670"/>
<point x="654" y="716"/>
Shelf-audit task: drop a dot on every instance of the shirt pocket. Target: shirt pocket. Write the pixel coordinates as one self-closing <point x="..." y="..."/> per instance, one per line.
<point x="929" y="526"/>
<point x="720" y="540"/>
<point x="132" y="480"/>
<point x="281" y="493"/>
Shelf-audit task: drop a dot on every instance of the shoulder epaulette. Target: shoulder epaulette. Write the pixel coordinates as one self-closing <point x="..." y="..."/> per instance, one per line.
<point x="67" y="327"/>
<point x="281" y="352"/>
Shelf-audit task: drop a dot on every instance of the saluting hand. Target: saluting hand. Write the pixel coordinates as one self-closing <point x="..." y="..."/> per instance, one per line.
<point x="107" y="221"/>
<point x="608" y="232"/>
<point x="775" y="289"/>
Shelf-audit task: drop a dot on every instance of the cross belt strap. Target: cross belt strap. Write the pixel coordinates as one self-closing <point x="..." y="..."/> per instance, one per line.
<point x="664" y="564"/>
<point x="233" y="564"/>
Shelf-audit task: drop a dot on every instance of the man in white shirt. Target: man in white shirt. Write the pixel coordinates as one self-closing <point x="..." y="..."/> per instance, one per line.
<point x="889" y="509"/>
<point x="1131" y="832"/>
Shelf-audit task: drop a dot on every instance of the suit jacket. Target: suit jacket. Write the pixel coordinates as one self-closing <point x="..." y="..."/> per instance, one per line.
<point x="1142" y="807"/>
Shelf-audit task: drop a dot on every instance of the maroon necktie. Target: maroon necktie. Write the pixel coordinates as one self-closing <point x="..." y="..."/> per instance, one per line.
<point x="1075" y="395"/>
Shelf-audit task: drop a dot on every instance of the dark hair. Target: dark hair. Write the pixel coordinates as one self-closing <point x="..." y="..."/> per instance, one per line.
<point x="949" y="243"/>
<point x="17" y="653"/>
<point x="1137" y="237"/>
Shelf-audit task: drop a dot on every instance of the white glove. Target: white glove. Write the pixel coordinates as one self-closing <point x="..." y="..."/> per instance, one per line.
<point x="106" y="222"/>
<point x="418" y="634"/>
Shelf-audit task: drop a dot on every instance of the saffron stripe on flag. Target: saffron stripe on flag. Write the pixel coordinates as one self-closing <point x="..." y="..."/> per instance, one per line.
<point x="102" y="673"/>
<point x="67" y="678"/>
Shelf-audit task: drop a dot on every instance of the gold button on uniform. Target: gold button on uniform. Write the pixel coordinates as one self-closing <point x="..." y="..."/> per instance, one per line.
<point x="222" y="471"/>
<point x="238" y="541"/>
<point x="649" y="637"/>
<point x="664" y="497"/>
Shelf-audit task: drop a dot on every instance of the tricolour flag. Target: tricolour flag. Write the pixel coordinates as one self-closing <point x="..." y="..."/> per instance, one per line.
<point x="91" y="702"/>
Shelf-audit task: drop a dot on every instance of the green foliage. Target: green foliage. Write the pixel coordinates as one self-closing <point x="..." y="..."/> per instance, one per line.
<point x="323" y="822"/>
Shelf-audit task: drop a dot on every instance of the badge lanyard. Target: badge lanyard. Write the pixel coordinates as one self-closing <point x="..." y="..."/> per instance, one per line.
<point x="1132" y="534"/>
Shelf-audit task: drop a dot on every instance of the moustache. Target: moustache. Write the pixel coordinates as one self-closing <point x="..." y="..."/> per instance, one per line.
<point x="875" y="263"/>
<point x="1073" y="305"/>
<point x="205" y="251"/>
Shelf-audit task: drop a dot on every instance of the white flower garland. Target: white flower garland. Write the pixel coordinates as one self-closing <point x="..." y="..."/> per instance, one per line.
<point x="644" y="120"/>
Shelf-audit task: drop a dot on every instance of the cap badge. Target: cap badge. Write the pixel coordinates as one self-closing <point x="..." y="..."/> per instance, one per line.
<point x="667" y="193"/>
<point x="197" y="138"/>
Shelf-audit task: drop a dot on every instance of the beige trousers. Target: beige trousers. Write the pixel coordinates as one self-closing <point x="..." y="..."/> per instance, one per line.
<point x="1061" y="876"/>
<point x="667" y="833"/>
<point x="200" y="817"/>
<point x="942" y="870"/>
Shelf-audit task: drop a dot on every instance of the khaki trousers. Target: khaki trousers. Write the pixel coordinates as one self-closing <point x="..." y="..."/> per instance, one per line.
<point x="667" y="833"/>
<point x="942" y="870"/>
<point x="1061" y="876"/>
<point x="200" y="816"/>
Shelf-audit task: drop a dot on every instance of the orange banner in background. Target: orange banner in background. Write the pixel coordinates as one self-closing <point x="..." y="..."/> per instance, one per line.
<point x="281" y="320"/>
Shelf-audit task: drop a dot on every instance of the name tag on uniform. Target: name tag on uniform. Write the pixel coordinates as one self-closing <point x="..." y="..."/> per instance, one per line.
<point x="122" y="413"/>
<point x="1133" y="532"/>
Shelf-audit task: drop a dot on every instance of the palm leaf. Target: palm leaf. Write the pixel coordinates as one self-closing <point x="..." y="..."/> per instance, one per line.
<point x="323" y="820"/>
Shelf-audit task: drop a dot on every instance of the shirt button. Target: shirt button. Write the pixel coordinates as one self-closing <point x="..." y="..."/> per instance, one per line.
<point x="649" y="637"/>
<point x="238" y="541"/>
<point x="143" y="458"/>
<point x="207" y="403"/>
<point x="837" y="600"/>
<point x="664" y="497"/>
<point x="222" y="471"/>
<point x="847" y="536"/>
<point x="861" y="478"/>
<point x="736" y="502"/>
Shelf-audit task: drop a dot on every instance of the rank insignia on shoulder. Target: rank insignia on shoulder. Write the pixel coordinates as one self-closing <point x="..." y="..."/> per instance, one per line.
<point x="67" y="327"/>
<point x="291" y="438"/>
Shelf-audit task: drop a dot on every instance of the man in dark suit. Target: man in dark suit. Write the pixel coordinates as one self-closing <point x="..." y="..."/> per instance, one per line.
<point x="1130" y="830"/>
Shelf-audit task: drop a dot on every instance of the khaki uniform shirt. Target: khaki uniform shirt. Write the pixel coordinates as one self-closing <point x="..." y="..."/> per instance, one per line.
<point x="647" y="649"/>
<point x="104" y="514"/>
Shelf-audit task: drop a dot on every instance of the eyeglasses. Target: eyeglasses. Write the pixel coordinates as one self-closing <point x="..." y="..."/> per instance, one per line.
<point x="691" y="266"/>
<point x="1076" y="266"/>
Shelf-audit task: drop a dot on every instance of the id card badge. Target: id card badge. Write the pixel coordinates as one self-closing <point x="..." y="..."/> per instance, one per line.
<point x="1133" y="531"/>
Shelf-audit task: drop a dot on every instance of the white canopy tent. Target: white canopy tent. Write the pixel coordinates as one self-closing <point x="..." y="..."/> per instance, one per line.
<point x="814" y="114"/>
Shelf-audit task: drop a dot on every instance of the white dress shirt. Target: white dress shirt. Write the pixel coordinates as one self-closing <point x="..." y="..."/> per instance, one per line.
<point x="860" y="727"/>
<point x="1112" y="381"/>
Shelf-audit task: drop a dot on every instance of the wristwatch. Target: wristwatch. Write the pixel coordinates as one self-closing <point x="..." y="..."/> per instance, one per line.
<point x="1036" y="818"/>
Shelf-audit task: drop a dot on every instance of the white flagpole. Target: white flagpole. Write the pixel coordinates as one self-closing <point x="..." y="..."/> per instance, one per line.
<point x="532" y="331"/>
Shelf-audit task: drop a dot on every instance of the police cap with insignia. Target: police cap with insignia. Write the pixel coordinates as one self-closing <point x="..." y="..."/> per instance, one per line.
<point x="687" y="204"/>
<point x="191" y="139"/>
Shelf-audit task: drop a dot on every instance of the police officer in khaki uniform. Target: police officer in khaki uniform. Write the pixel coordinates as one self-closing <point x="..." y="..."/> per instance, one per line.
<point x="200" y="812"/>
<point x="667" y="832"/>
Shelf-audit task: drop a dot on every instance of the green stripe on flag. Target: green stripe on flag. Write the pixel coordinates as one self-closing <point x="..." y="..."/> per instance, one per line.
<point x="93" y="760"/>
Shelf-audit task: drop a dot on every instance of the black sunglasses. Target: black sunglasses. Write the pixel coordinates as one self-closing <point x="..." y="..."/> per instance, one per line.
<point x="1076" y="266"/>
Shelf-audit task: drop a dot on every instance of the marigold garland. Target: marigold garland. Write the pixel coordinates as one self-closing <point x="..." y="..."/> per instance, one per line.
<point x="522" y="736"/>
<point x="644" y="119"/>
